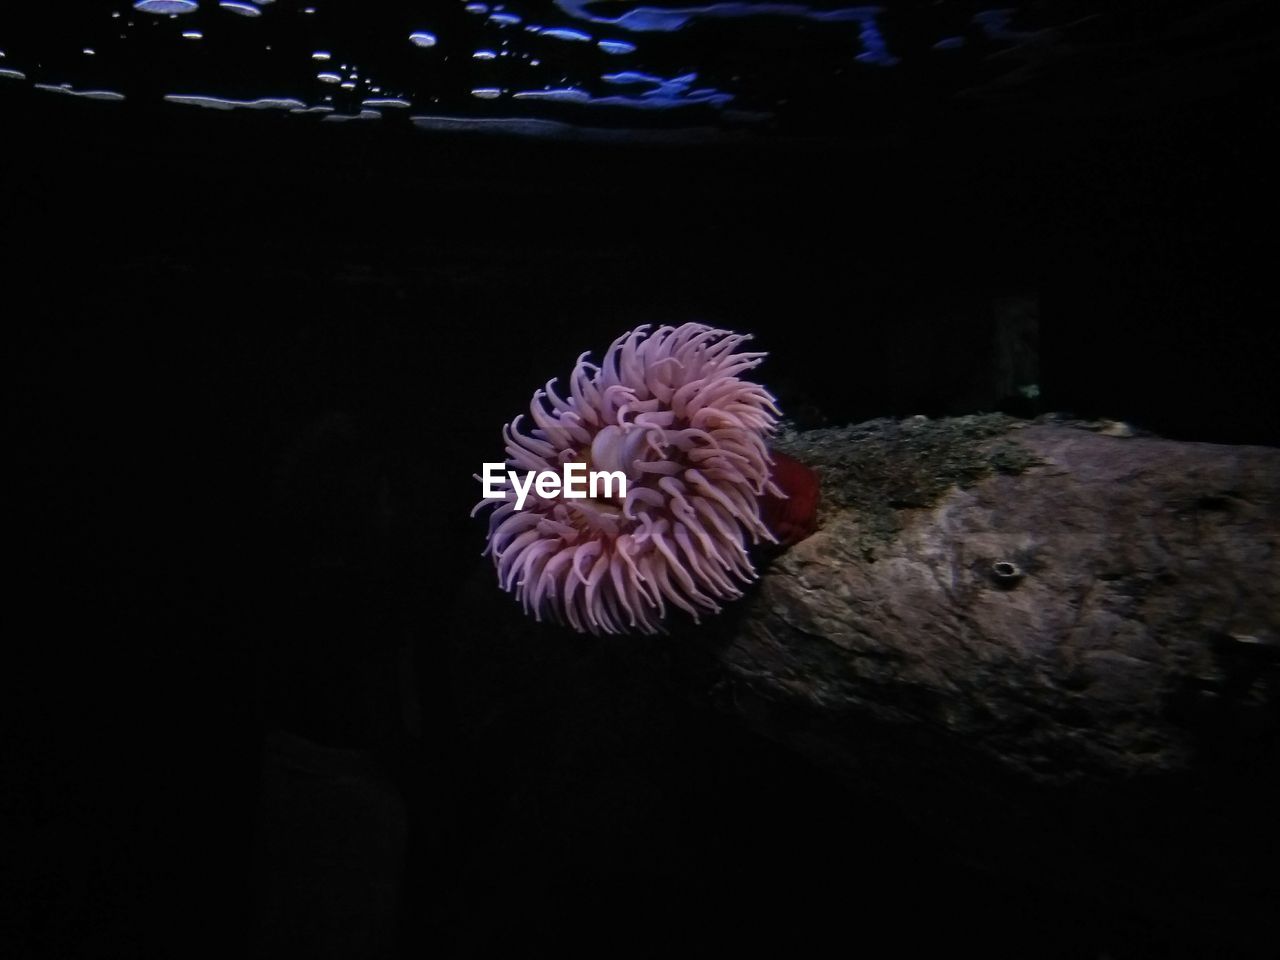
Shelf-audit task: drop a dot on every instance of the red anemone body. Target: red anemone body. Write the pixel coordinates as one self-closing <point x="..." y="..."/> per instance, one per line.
<point x="795" y="517"/>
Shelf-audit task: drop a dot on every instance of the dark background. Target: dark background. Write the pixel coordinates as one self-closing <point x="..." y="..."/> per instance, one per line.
<point x="252" y="363"/>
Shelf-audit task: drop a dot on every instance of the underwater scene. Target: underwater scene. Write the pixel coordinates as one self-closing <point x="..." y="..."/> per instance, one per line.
<point x="628" y="478"/>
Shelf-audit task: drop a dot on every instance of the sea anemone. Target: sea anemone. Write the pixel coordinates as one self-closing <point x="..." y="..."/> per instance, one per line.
<point x="668" y="409"/>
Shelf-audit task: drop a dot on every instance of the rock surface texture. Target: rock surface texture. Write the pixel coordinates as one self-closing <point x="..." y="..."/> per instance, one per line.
<point x="1070" y="603"/>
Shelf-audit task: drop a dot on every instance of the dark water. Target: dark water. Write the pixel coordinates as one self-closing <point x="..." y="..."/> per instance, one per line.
<point x="253" y="358"/>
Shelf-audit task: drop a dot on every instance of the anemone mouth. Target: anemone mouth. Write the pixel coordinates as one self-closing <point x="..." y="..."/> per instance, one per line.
<point x="668" y="410"/>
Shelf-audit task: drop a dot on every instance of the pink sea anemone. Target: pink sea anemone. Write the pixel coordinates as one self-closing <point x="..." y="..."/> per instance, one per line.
<point x="669" y="409"/>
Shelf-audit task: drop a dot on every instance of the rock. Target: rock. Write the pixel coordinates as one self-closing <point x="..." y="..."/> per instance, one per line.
<point x="1067" y="605"/>
<point x="1052" y="648"/>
